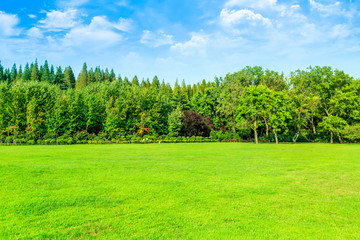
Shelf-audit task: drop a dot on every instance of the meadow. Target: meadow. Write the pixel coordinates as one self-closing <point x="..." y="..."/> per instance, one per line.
<point x="180" y="191"/>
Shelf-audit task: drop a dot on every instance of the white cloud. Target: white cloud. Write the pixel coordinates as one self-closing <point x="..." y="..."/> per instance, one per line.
<point x="122" y="3"/>
<point x="60" y="20"/>
<point x="233" y="17"/>
<point x="196" y="45"/>
<point x="327" y="10"/>
<point x="100" y="33"/>
<point x="341" y="31"/>
<point x="32" y="16"/>
<point x="251" y="3"/>
<point x="156" y="39"/>
<point x="8" y="23"/>
<point x="71" y="3"/>
<point x="35" y="33"/>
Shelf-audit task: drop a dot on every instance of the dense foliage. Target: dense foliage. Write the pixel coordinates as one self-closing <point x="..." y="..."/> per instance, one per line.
<point x="44" y="105"/>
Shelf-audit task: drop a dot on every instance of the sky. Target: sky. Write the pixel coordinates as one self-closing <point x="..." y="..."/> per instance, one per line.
<point x="187" y="39"/>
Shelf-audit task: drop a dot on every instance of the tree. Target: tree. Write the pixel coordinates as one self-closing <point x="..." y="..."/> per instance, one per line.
<point x="45" y="73"/>
<point x="193" y="124"/>
<point x="35" y="75"/>
<point x="13" y="74"/>
<point x="253" y="106"/>
<point x="175" y="122"/>
<point x="278" y="107"/>
<point x="59" y="77"/>
<point x="334" y="125"/>
<point x="82" y="80"/>
<point x="69" y="78"/>
<point x="27" y="73"/>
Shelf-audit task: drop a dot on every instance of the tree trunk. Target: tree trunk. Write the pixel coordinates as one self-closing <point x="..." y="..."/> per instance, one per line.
<point x="267" y="127"/>
<point x="255" y="132"/>
<point x="313" y="126"/>
<point x="276" y="138"/>
<point x="332" y="137"/>
<point x="340" y="140"/>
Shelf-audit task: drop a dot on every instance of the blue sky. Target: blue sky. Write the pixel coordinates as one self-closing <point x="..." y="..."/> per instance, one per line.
<point x="188" y="39"/>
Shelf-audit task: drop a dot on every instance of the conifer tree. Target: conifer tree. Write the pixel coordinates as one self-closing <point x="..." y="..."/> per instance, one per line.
<point x="27" y="73"/>
<point x="35" y="75"/>
<point x="69" y="78"/>
<point x="82" y="80"/>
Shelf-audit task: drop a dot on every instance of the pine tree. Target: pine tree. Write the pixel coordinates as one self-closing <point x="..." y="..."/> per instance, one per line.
<point x="82" y="80"/>
<point x="155" y="83"/>
<point x="35" y="76"/>
<point x="112" y="75"/>
<point x="45" y="72"/>
<point x="19" y="75"/>
<point x="13" y="74"/>
<point x="59" y="77"/>
<point x="98" y="75"/>
<point x="69" y="78"/>
<point x="135" y="81"/>
<point x="1" y="72"/>
<point x="27" y="73"/>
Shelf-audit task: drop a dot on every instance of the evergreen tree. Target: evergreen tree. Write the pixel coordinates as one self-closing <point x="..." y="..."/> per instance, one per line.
<point x="112" y="75"/>
<point x="69" y="78"/>
<point x="45" y="73"/>
<point x="82" y="80"/>
<point x="135" y="81"/>
<point x="1" y="73"/>
<point x="35" y="75"/>
<point x="19" y="75"/>
<point x="59" y="77"/>
<point x="13" y="74"/>
<point x="27" y="73"/>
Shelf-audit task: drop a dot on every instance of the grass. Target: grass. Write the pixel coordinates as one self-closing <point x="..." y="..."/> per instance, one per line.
<point x="180" y="191"/>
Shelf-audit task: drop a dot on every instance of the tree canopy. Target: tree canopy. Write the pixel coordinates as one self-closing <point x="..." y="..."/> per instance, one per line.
<point x="47" y="102"/>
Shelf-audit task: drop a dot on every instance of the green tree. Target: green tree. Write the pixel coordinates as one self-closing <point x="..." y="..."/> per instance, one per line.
<point x="82" y="80"/>
<point x="253" y="106"/>
<point x="69" y="78"/>
<point x="35" y="75"/>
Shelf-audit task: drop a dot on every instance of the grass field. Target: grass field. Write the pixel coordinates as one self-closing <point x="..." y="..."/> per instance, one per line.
<point x="180" y="191"/>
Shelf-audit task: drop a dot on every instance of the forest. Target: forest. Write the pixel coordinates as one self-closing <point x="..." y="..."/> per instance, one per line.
<point x="48" y="105"/>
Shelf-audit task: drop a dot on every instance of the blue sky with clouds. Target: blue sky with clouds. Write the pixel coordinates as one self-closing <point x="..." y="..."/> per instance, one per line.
<point x="188" y="39"/>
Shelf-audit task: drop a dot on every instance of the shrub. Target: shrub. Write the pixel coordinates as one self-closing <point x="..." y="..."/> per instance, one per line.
<point x="9" y="140"/>
<point x="352" y="133"/>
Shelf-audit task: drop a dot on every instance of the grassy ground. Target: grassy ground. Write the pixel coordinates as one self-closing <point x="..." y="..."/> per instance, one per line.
<point x="180" y="191"/>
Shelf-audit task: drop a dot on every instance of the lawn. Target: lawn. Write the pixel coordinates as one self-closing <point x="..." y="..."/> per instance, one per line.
<point x="180" y="191"/>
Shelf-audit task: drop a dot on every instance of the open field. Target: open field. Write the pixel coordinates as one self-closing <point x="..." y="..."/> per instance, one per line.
<point x="180" y="191"/>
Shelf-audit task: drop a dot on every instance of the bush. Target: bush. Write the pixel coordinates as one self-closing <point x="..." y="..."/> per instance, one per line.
<point x="352" y="133"/>
<point x="9" y="140"/>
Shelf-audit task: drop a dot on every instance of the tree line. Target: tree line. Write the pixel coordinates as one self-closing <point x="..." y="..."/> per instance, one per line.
<point x="42" y="104"/>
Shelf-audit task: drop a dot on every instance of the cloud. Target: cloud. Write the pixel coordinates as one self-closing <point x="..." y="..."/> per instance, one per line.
<point x="156" y="39"/>
<point x="100" y="33"/>
<point x="327" y="10"/>
<point x="34" y="33"/>
<point x="71" y="3"/>
<point x="60" y="20"/>
<point x="233" y="17"/>
<point x="32" y="16"/>
<point x="251" y="3"/>
<point x="196" y="45"/>
<point x="8" y="23"/>
<point x="122" y="3"/>
<point x="342" y="31"/>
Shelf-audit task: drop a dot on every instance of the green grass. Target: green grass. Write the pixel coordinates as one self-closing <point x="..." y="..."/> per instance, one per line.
<point x="180" y="191"/>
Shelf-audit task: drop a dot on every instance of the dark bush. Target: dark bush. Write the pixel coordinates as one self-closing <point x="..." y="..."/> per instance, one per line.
<point x="194" y="124"/>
